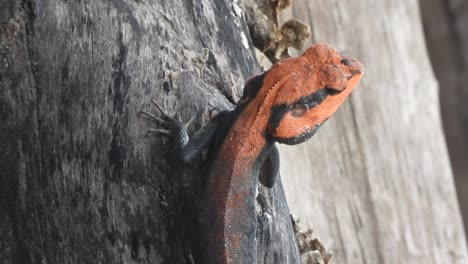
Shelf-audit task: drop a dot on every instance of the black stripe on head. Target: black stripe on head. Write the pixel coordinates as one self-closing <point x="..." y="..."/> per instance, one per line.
<point x="277" y="114"/>
<point x="310" y="101"/>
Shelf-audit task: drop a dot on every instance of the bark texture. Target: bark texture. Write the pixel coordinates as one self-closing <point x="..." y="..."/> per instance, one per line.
<point x="79" y="182"/>
<point x="445" y="27"/>
<point x="375" y="183"/>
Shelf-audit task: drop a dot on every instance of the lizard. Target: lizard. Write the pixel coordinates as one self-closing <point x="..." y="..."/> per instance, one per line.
<point x="285" y="104"/>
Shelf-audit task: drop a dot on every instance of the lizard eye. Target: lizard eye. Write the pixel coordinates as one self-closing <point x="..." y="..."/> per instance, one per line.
<point x="298" y="111"/>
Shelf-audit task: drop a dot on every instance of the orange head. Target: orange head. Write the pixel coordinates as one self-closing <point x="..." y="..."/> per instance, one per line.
<point x="307" y="90"/>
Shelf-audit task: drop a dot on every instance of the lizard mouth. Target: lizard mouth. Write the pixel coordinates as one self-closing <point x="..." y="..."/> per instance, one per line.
<point x="331" y="91"/>
<point x="298" y="139"/>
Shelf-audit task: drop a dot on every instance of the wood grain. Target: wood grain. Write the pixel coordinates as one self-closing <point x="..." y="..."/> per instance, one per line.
<point x="447" y="42"/>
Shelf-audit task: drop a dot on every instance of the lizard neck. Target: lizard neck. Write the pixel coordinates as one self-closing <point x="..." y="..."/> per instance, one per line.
<point x="247" y="139"/>
<point x="249" y="134"/>
<point x="233" y="178"/>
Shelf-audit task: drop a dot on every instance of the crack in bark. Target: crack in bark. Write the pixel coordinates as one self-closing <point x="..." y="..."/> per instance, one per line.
<point x="28" y="8"/>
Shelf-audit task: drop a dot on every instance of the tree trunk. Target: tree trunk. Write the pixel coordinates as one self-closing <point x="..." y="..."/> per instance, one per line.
<point x="446" y="31"/>
<point x="80" y="183"/>
<point x="375" y="183"/>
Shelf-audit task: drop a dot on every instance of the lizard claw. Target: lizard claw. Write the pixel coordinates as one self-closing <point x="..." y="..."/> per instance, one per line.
<point x="154" y="118"/>
<point x="168" y="123"/>
<point x="171" y="127"/>
<point x="157" y="131"/>
<point x="163" y="114"/>
<point x="166" y="118"/>
<point x="186" y="125"/>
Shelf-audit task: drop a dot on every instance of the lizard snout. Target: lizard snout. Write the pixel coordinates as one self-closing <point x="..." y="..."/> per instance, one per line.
<point x="354" y="66"/>
<point x="357" y="71"/>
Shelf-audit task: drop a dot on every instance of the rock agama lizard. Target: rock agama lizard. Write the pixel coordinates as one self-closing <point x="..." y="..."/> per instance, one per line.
<point x="286" y="104"/>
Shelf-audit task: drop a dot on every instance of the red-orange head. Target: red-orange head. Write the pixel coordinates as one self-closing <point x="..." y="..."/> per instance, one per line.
<point x="309" y="89"/>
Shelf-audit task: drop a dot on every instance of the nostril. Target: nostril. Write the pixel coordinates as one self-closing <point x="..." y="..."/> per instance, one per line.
<point x="345" y="62"/>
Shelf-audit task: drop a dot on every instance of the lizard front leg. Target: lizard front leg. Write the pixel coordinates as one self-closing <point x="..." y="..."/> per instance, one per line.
<point x="270" y="168"/>
<point x="186" y="148"/>
<point x="188" y="175"/>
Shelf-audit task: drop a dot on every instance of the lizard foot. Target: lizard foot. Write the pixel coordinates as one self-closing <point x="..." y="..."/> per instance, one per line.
<point x="171" y="127"/>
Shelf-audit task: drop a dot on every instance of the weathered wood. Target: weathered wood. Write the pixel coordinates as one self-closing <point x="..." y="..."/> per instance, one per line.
<point x="375" y="183"/>
<point x="79" y="182"/>
<point x="445" y="27"/>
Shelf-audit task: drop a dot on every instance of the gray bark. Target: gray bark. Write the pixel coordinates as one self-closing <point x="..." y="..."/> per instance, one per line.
<point x="445" y="26"/>
<point x="375" y="183"/>
<point x="79" y="181"/>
